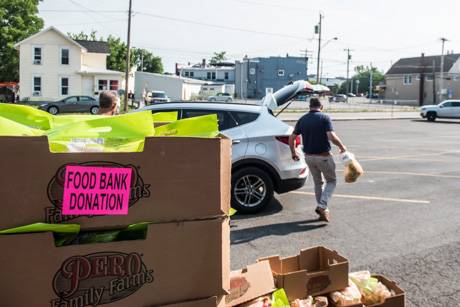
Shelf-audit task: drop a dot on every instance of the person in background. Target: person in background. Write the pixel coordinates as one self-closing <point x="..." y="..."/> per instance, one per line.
<point x="108" y="103"/>
<point x="317" y="132"/>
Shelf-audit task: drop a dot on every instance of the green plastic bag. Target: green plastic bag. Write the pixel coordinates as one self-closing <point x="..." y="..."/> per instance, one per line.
<point x="201" y="126"/>
<point x="123" y="133"/>
<point x="42" y="227"/>
<point x="12" y="128"/>
<point x="165" y="116"/>
<point x="279" y="299"/>
<point x="58" y="121"/>
<point x="26" y="115"/>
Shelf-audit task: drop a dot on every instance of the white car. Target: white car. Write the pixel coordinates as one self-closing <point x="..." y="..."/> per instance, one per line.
<point x="261" y="158"/>
<point x="446" y="109"/>
<point x="221" y="97"/>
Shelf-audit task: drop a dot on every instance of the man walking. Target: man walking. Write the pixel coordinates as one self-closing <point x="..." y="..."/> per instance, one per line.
<point x="316" y="130"/>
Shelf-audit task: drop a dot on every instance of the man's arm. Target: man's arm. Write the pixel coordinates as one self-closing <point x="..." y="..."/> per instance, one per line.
<point x="332" y="136"/>
<point x="292" y="138"/>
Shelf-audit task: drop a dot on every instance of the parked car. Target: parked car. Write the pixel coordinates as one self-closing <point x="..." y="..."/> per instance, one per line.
<point x="338" y="98"/>
<point x="261" y="158"/>
<point x="156" y="96"/>
<point x="351" y="95"/>
<point x="446" y="109"/>
<point x="374" y="96"/>
<point x="72" y="104"/>
<point x="221" y="97"/>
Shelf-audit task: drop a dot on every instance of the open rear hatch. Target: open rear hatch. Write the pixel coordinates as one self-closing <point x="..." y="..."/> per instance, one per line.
<point x="286" y="95"/>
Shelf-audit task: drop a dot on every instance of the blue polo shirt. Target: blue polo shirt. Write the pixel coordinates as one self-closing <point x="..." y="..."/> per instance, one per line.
<point x="313" y="128"/>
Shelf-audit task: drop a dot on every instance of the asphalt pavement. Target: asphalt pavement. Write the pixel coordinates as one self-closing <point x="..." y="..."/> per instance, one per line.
<point x="401" y="219"/>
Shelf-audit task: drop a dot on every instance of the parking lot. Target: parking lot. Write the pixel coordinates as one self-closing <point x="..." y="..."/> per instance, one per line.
<point x="401" y="219"/>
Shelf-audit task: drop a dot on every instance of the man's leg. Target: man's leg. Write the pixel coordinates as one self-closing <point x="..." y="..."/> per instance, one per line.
<point x="327" y="167"/>
<point x="317" y="177"/>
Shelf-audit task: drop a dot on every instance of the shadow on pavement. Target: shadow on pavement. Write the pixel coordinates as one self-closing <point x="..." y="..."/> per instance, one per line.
<point x="273" y="207"/>
<point x="436" y="122"/>
<point x="249" y="234"/>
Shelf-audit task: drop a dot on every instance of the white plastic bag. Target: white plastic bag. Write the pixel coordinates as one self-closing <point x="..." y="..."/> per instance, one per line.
<point x="353" y="170"/>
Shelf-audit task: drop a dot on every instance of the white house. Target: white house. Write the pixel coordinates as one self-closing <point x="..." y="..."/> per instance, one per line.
<point x="53" y="66"/>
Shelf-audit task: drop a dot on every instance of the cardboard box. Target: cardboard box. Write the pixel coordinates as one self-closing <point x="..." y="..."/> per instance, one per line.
<point x="314" y="271"/>
<point x="173" y="179"/>
<point x="398" y="300"/>
<point x="176" y="262"/>
<point x="209" y="302"/>
<point x="254" y="281"/>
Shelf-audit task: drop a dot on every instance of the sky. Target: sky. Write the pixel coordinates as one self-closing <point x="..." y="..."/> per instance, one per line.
<point x="182" y="31"/>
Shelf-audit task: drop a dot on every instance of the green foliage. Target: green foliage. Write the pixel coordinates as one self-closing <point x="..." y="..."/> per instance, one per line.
<point x="18" y="20"/>
<point x="218" y="57"/>
<point x="362" y="73"/>
<point x="146" y="61"/>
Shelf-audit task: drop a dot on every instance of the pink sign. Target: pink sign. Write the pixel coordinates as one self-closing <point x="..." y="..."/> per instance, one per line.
<point x="96" y="190"/>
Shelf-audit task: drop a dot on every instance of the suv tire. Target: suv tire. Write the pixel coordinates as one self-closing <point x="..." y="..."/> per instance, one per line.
<point x="431" y="116"/>
<point x="252" y="189"/>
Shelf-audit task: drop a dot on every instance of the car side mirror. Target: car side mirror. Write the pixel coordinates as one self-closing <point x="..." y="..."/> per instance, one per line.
<point x="441" y="106"/>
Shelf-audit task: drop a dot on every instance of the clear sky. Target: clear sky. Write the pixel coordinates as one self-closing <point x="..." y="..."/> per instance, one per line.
<point x="182" y="31"/>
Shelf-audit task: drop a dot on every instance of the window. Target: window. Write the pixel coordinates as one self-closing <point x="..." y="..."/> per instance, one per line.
<point x="73" y="99"/>
<point x="456" y="78"/>
<point x="252" y="71"/>
<point x="280" y="72"/>
<point x="243" y="118"/>
<point x="37" y="86"/>
<point x="65" y="56"/>
<point x="87" y="99"/>
<point x="114" y="85"/>
<point x="166" y="115"/>
<point x="429" y="78"/>
<point x="37" y="59"/>
<point x="186" y="74"/>
<point x="208" y="75"/>
<point x="64" y="86"/>
<point x="226" y="76"/>
<point x="447" y="104"/>
<point x="456" y="104"/>
<point x="192" y="74"/>
<point x="407" y="80"/>
<point x="224" y="118"/>
<point x="102" y="85"/>
<point x="213" y="76"/>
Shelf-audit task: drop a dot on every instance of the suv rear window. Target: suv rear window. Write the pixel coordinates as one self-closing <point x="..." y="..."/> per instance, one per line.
<point x="243" y="118"/>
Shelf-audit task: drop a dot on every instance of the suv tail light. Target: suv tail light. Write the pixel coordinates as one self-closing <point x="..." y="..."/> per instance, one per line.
<point x="285" y="140"/>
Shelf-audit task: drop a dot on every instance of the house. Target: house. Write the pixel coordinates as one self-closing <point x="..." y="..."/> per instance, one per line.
<point x="53" y="66"/>
<point x="176" y="87"/>
<point x="220" y="72"/>
<point x="409" y="77"/>
<point x="255" y="77"/>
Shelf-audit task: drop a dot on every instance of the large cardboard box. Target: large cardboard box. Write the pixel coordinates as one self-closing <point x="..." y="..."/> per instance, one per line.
<point x="173" y="179"/>
<point x="398" y="300"/>
<point x="175" y="262"/>
<point x="252" y="282"/>
<point x="314" y="271"/>
<point x="208" y="302"/>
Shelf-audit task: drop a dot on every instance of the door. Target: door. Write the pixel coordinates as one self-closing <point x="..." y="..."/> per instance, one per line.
<point x="69" y="104"/>
<point x="228" y="126"/>
<point x="446" y="109"/>
<point x="456" y="108"/>
<point x="88" y="87"/>
<point x="85" y="104"/>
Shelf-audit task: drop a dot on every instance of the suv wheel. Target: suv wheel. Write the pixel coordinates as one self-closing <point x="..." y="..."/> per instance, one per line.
<point x="252" y="190"/>
<point x="53" y="110"/>
<point x="431" y="116"/>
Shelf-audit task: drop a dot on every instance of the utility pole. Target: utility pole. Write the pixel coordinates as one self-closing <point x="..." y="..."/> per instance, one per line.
<point x="348" y="68"/>
<point x="422" y="81"/>
<point x="128" y="55"/>
<point x="321" y="72"/>
<point x="441" y="77"/>
<point x="370" y="82"/>
<point x="434" y="81"/>
<point x="319" y="48"/>
<point x="142" y="59"/>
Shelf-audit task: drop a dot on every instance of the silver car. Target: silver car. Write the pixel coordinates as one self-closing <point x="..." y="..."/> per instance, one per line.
<point x="261" y="158"/>
<point x="221" y="97"/>
<point x="72" y="104"/>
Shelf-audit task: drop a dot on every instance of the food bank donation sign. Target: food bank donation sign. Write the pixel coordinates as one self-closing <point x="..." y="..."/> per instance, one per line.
<point x="96" y="190"/>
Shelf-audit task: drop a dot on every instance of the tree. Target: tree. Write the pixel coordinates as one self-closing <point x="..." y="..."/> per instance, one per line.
<point x="146" y="61"/>
<point x="18" y="20"/>
<point x="218" y="57"/>
<point x="84" y="36"/>
<point x="362" y="73"/>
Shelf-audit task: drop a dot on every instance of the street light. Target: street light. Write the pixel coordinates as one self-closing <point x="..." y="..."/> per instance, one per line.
<point x="322" y="47"/>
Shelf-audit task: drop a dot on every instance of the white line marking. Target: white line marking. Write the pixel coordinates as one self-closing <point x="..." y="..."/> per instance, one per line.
<point x="399" y="200"/>
<point x="411" y="174"/>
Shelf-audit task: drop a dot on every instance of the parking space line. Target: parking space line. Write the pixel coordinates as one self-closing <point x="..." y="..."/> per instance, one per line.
<point x="411" y="174"/>
<point x="405" y="157"/>
<point x="399" y="200"/>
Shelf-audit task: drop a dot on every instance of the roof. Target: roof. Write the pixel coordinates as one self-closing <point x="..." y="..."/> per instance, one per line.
<point x="47" y="30"/>
<point x="185" y="80"/>
<point x="415" y="65"/>
<point x="95" y="46"/>
<point x="98" y="71"/>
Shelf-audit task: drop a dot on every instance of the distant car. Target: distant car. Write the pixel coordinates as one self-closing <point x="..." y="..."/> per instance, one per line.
<point x="156" y="96"/>
<point x="374" y="96"/>
<point x="338" y="98"/>
<point x="446" y="109"/>
<point x="72" y="104"/>
<point x="221" y="97"/>
<point x="6" y="95"/>
<point x="351" y="95"/>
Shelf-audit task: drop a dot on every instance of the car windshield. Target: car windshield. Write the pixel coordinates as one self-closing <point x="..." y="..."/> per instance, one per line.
<point x="159" y="95"/>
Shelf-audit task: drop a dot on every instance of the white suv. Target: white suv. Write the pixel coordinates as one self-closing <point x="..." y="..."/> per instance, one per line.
<point x="261" y="158"/>
<point x="221" y="97"/>
<point x="446" y="109"/>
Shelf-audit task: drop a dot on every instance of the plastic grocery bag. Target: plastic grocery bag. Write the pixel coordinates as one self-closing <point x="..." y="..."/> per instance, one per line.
<point x="123" y="133"/>
<point x="372" y="290"/>
<point x="353" y="169"/>
<point x="279" y="299"/>
<point x="348" y="296"/>
<point x="201" y="126"/>
<point x="12" y="128"/>
<point x="26" y="115"/>
<point x="58" y="121"/>
<point x="165" y="116"/>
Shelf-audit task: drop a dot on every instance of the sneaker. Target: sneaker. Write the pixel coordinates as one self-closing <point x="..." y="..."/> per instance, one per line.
<point x="323" y="214"/>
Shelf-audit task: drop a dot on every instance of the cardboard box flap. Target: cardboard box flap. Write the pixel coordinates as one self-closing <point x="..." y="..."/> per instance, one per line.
<point x="250" y="283"/>
<point x="209" y="302"/>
